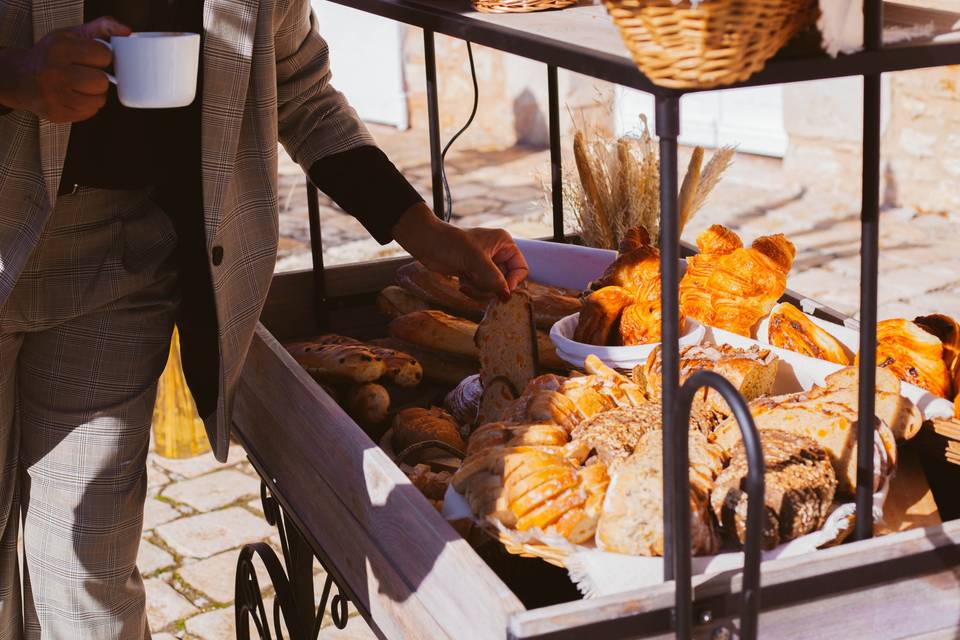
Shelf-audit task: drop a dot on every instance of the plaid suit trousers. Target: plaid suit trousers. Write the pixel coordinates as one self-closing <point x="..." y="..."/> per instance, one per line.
<point x="83" y="339"/>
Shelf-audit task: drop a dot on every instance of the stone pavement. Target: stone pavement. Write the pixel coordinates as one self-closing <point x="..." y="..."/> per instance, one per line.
<point x="200" y="512"/>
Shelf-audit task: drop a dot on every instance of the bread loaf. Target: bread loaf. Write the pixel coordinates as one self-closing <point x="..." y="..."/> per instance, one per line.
<point x="497" y="396"/>
<point x="338" y="362"/>
<point x="793" y="330"/>
<point x="440" y="332"/>
<point x="543" y="405"/>
<point x="506" y="339"/>
<point x="438" y="290"/>
<point x="414" y="425"/>
<point x="752" y="371"/>
<point x="367" y="403"/>
<point x="895" y="410"/>
<point x="632" y="517"/>
<point x="798" y="492"/>
<point x="832" y="426"/>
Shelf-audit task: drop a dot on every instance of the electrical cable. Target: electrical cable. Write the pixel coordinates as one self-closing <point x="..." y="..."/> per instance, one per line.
<point x="448" y="209"/>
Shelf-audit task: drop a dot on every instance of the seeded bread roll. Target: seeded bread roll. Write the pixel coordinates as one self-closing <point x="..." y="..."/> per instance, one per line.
<point x="799" y="489"/>
<point x="402" y="369"/>
<point x="614" y="434"/>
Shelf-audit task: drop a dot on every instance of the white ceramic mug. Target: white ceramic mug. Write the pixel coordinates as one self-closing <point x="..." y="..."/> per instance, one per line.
<point x="155" y="70"/>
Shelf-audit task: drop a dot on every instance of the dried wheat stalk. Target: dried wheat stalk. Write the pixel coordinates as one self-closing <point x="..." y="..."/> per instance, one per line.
<point x="617" y="186"/>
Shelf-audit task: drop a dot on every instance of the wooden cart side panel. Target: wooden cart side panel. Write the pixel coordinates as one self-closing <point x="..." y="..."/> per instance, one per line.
<point x="360" y="502"/>
<point x="939" y="543"/>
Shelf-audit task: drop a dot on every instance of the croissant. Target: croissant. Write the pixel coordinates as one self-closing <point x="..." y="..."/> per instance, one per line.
<point x="600" y="314"/>
<point x="791" y="329"/>
<point x="913" y="355"/>
<point x="636" y="268"/>
<point x="948" y="330"/>
<point x="734" y="290"/>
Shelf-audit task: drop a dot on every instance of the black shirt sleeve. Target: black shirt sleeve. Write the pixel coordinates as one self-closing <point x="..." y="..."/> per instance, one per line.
<point x="366" y="185"/>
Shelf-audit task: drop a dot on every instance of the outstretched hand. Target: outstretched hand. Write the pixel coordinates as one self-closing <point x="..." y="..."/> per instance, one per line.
<point x="487" y="261"/>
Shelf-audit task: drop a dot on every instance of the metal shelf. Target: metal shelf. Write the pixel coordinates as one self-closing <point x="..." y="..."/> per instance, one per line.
<point x="585" y="40"/>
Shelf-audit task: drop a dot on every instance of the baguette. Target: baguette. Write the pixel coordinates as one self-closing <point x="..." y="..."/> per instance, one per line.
<point x="367" y="403"/>
<point x="439" y="331"/>
<point x="338" y="362"/>
<point x="438" y="290"/>
<point x="395" y="301"/>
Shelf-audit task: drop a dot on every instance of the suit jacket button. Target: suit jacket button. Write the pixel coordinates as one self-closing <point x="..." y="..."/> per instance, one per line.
<point x="217" y="255"/>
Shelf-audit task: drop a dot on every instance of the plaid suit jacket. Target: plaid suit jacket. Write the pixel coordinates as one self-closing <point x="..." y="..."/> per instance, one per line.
<point x="266" y="77"/>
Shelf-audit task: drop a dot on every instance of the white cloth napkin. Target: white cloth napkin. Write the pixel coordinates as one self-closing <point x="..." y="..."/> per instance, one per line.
<point x="841" y="27"/>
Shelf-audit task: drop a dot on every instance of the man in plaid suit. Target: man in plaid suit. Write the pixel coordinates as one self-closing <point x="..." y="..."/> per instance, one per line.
<point x="117" y="223"/>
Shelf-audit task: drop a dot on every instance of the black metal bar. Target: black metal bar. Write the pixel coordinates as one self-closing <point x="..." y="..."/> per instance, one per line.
<point x="450" y="20"/>
<point x="869" y="258"/>
<point x="750" y="595"/>
<point x="316" y="252"/>
<point x="873" y="24"/>
<point x="668" y="129"/>
<point x="433" y="115"/>
<point x="556" y="168"/>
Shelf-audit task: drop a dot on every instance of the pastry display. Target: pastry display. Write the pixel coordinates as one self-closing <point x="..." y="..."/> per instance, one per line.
<point x="632" y="517"/>
<point x="792" y="329"/>
<point x="913" y="355"/>
<point x="731" y="287"/>
<point x="799" y="486"/>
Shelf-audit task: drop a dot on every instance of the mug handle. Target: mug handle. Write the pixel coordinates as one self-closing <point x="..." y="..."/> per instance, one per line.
<point x="107" y="44"/>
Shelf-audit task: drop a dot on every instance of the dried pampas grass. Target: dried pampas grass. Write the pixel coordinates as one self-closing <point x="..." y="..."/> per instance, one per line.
<point x="616" y="186"/>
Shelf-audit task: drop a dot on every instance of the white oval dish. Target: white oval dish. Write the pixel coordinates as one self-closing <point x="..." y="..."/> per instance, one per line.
<point x="617" y="357"/>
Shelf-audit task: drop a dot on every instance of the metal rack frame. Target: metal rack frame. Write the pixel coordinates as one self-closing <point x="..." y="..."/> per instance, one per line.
<point x="438" y="16"/>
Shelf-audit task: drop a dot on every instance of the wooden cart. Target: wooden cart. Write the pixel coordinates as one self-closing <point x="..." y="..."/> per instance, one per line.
<point x="412" y="576"/>
<point x="337" y="497"/>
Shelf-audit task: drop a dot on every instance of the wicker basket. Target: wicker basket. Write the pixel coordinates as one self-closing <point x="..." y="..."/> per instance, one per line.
<point x="718" y="42"/>
<point x="520" y="6"/>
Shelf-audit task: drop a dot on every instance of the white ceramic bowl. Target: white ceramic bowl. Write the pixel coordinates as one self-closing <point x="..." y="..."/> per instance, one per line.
<point x="618" y="357"/>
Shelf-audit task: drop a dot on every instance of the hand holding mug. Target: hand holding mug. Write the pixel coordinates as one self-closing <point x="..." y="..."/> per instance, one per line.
<point x="61" y="77"/>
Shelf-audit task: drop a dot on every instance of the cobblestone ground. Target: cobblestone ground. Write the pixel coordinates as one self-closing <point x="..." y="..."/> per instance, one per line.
<point x="200" y="512"/>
